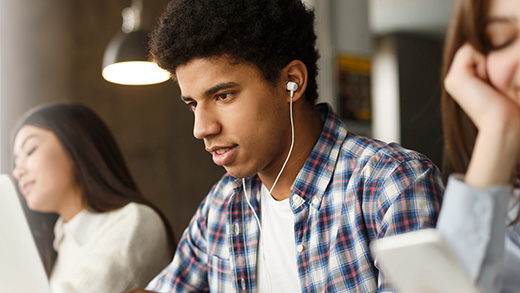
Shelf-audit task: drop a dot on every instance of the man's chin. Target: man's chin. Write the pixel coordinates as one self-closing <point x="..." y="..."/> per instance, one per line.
<point x="239" y="173"/>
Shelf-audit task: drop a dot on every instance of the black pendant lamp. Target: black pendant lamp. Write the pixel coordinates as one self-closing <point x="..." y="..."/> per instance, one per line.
<point x="126" y="60"/>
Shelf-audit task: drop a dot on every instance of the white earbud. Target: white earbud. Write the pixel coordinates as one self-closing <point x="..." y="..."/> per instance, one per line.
<point x="292" y="86"/>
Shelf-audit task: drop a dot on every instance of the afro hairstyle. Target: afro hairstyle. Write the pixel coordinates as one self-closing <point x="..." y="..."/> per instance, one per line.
<point x="265" y="33"/>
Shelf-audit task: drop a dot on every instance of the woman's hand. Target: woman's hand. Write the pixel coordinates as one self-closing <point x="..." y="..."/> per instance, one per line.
<point x="496" y="116"/>
<point x="467" y="82"/>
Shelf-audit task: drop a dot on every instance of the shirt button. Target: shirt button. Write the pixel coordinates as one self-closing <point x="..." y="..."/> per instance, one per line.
<point x="243" y="284"/>
<point x="237" y="229"/>
<point x="295" y="198"/>
<point x="315" y="201"/>
<point x="299" y="248"/>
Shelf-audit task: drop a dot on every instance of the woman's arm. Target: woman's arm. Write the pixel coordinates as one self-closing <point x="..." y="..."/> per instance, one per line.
<point x="472" y="222"/>
<point x="473" y="216"/>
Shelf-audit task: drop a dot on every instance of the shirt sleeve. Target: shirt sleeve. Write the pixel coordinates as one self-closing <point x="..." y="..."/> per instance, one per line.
<point x="188" y="272"/>
<point x="410" y="199"/>
<point x="473" y="224"/>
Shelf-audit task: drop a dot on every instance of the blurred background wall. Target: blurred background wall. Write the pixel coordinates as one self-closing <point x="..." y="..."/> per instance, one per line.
<point x="380" y="57"/>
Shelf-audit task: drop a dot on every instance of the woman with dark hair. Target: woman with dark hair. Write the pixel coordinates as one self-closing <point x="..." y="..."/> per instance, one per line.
<point x="481" y="116"/>
<point x="107" y="237"/>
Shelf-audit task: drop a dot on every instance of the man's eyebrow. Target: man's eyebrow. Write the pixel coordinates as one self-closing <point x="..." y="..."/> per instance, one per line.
<point x="212" y="90"/>
<point x="219" y="87"/>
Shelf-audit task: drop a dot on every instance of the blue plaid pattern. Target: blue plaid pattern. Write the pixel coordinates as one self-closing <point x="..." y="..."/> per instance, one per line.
<point x="350" y="191"/>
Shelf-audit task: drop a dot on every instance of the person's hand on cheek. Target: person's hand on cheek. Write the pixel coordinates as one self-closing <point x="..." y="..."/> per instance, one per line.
<point x="467" y="82"/>
<point x="496" y="116"/>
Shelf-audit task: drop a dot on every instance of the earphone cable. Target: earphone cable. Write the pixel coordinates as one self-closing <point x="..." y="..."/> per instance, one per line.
<point x="261" y="233"/>
<point x="290" y="149"/>
<point x="270" y="191"/>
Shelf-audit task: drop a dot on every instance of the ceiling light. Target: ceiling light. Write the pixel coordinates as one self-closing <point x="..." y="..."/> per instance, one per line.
<point x="126" y="60"/>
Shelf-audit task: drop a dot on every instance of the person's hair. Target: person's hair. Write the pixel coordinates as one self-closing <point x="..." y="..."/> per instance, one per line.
<point x="467" y="26"/>
<point x="99" y="167"/>
<point x="265" y="33"/>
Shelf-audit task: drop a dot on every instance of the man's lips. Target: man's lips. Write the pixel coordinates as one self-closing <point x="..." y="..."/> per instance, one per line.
<point x="222" y="155"/>
<point x="219" y="150"/>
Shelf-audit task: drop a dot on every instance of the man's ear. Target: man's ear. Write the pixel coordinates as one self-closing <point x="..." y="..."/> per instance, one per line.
<point x="296" y="71"/>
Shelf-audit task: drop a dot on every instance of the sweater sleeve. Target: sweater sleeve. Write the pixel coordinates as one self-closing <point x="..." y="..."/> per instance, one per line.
<point x="473" y="223"/>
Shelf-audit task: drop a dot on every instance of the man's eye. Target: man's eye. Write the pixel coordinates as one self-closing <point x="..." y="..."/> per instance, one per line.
<point x="223" y="96"/>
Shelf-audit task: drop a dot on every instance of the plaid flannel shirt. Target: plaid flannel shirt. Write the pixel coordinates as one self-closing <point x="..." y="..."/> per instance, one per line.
<point x="350" y="191"/>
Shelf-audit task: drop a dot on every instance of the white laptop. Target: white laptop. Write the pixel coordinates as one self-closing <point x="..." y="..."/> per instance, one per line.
<point x="421" y="261"/>
<point x="21" y="269"/>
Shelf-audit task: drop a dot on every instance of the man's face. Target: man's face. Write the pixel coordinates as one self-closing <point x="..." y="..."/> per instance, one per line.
<point x="242" y="118"/>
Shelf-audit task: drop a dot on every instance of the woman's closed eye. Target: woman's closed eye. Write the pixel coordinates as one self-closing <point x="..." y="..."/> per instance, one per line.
<point x="498" y="42"/>
<point x="501" y="33"/>
<point x="31" y="150"/>
<point x="28" y="153"/>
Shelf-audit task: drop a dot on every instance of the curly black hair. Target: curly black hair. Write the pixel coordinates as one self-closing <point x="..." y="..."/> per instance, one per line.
<point x="266" y="33"/>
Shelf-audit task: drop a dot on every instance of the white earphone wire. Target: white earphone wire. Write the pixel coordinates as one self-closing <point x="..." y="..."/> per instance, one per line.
<point x="272" y="187"/>
<point x="292" y="144"/>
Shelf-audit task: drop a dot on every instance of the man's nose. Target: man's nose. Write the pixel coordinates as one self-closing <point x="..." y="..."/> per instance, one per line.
<point x="206" y="122"/>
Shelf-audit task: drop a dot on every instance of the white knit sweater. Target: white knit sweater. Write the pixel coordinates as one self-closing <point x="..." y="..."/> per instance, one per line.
<point x="109" y="252"/>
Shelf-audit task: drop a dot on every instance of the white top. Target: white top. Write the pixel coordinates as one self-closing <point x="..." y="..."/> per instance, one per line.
<point x="109" y="252"/>
<point x="276" y="256"/>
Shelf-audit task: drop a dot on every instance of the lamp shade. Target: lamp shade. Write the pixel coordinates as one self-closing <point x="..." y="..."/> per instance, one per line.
<point x="126" y="60"/>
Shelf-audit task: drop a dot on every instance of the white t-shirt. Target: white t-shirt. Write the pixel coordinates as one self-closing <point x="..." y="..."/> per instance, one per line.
<point x="109" y="252"/>
<point x="277" y="266"/>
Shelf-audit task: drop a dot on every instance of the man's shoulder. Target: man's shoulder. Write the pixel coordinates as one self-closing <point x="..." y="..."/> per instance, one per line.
<point x="364" y="148"/>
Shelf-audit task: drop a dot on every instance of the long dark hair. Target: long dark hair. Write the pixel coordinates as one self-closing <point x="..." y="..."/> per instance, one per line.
<point x="100" y="168"/>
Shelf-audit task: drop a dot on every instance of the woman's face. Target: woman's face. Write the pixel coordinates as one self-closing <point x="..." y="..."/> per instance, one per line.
<point x="45" y="172"/>
<point x="503" y="34"/>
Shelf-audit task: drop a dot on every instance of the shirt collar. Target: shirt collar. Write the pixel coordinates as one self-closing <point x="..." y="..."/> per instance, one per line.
<point x="81" y="227"/>
<point x="316" y="173"/>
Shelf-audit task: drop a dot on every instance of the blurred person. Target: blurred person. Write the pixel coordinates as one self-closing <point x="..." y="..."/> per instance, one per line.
<point x="107" y="236"/>
<point x="302" y="198"/>
<point x="481" y="116"/>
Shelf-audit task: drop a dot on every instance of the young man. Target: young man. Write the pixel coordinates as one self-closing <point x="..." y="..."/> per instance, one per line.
<point x="286" y="217"/>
